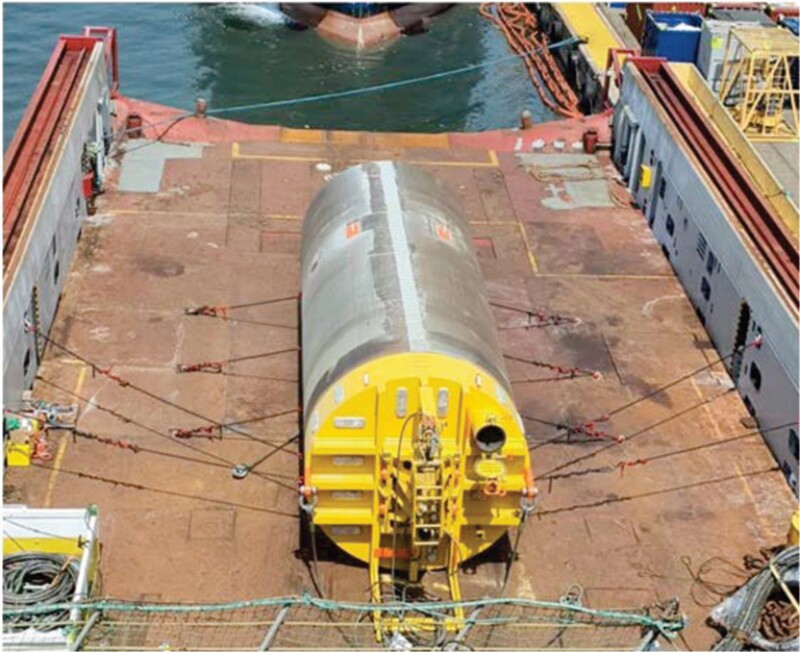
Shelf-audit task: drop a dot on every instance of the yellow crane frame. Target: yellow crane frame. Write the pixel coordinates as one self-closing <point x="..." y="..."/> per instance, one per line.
<point x="757" y="83"/>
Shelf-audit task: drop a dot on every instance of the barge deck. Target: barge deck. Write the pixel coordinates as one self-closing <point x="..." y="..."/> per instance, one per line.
<point x="186" y="224"/>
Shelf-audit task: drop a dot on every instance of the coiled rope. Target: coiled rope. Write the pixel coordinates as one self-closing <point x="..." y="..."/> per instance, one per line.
<point x="740" y="614"/>
<point x="38" y="579"/>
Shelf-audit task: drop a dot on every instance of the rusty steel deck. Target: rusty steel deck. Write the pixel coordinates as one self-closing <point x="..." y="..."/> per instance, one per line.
<point x="554" y="234"/>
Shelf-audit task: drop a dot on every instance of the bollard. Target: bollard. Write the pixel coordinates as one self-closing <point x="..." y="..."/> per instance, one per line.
<point x="590" y="141"/>
<point x="200" y="108"/>
<point x="526" y="119"/>
<point x="133" y="125"/>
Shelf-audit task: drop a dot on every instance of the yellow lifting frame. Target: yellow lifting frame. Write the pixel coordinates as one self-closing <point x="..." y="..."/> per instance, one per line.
<point x="757" y="86"/>
<point x="449" y="527"/>
<point x="452" y="625"/>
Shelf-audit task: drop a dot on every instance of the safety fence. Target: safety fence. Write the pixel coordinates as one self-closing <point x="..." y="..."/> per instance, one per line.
<point x="311" y="623"/>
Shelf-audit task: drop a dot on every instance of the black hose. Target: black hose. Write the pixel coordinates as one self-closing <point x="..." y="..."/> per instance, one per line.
<point x="35" y="579"/>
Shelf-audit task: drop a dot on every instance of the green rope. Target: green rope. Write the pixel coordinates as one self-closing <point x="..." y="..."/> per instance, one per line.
<point x="435" y="609"/>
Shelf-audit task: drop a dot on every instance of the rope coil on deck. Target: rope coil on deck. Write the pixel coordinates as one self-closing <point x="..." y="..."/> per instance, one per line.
<point x="33" y="579"/>
<point x="741" y="613"/>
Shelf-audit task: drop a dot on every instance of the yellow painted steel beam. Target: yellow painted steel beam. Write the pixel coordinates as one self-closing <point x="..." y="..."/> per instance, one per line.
<point x="51" y="545"/>
<point x="720" y="117"/>
<point x="585" y="21"/>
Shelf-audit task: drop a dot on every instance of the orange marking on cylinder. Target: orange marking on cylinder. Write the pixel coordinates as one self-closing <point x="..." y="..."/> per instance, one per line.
<point x="443" y="233"/>
<point x="352" y="229"/>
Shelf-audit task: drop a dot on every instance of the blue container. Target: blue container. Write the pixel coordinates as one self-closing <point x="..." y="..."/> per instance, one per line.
<point x="675" y="37"/>
<point x="791" y="24"/>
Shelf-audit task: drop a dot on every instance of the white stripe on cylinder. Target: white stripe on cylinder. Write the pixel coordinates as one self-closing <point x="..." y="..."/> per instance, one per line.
<point x="415" y="332"/>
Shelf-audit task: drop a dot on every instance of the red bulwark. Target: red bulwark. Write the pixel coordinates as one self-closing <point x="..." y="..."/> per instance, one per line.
<point x="109" y="36"/>
<point x="35" y="138"/>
